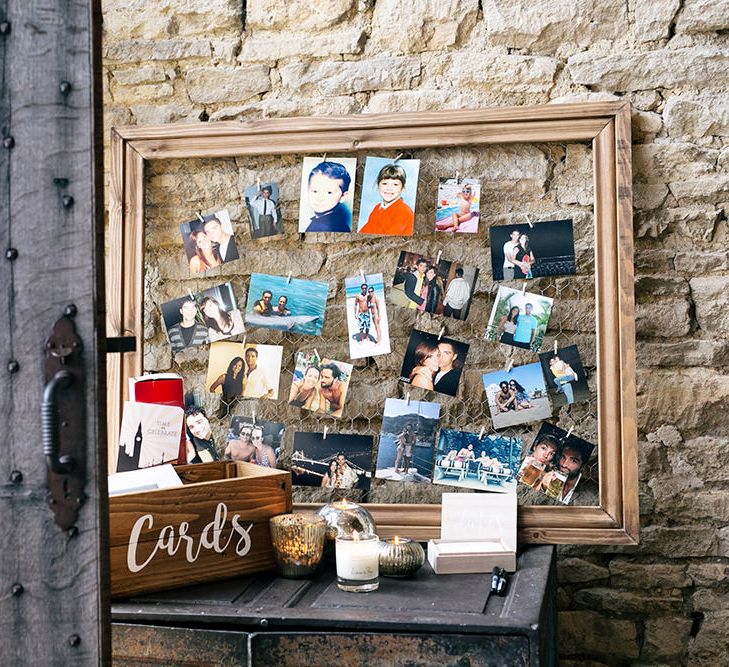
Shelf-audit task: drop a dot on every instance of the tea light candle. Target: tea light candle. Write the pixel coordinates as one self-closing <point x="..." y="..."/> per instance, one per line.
<point x="298" y="543"/>
<point x="357" y="562"/>
<point x="400" y="557"/>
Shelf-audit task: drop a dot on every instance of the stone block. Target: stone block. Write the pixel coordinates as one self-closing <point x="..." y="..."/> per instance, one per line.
<point x="152" y="92"/>
<point x="683" y="353"/>
<point x="283" y="14"/>
<point x="710" y="647"/>
<point x="144" y="50"/>
<point x="627" y="602"/>
<point x="697" y="115"/>
<point x="134" y="76"/>
<point x="636" y="575"/>
<point x="708" y="574"/>
<point x="590" y="633"/>
<point x="711" y="298"/>
<point x="580" y="571"/>
<point x="547" y="27"/>
<point x="695" y="66"/>
<point x="653" y="19"/>
<point x="661" y="286"/>
<point x="702" y="263"/>
<point x="713" y="188"/>
<point x="649" y="195"/>
<point x="708" y="600"/>
<point x="664" y="161"/>
<point x="666" y="638"/>
<point x="685" y="227"/>
<point x="161" y="114"/>
<point x="654" y="261"/>
<point x="347" y="77"/>
<point x="679" y="542"/>
<point x="226" y="84"/>
<point x="399" y="27"/>
<point x="269" y="47"/>
<point x="664" y="319"/>
<point x="703" y="16"/>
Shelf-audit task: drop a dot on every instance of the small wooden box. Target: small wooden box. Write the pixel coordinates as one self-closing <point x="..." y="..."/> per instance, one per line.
<point x="213" y="527"/>
<point x="478" y="533"/>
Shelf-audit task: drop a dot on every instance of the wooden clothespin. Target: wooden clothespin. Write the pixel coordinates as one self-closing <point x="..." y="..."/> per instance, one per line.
<point x="437" y="259"/>
<point x="407" y="397"/>
<point x="362" y="275"/>
<point x="258" y="183"/>
<point x="399" y="155"/>
<point x="458" y="179"/>
<point x="569" y="433"/>
<point x="288" y="278"/>
<point x="480" y="434"/>
<point x="510" y="365"/>
<point x="442" y="331"/>
<point x="245" y="337"/>
<point x="199" y="217"/>
<point x="523" y="289"/>
<point x="529" y="222"/>
<point x="324" y="435"/>
<point x="324" y="159"/>
<point x="316" y="354"/>
<point x="555" y="347"/>
<point x="254" y="417"/>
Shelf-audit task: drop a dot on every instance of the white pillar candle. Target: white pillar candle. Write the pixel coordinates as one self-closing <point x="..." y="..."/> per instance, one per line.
<point x="358" y="557"/>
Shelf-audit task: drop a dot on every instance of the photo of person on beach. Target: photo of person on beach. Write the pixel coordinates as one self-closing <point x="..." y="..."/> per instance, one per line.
<point x="387" y="203"/>
<point x="519" y="318"/>
<point x="457" y="208"/>
<point x="327" y="194"/>
<point x="516" y="396"/>
<point x="369" y="331"/>
<point x="565" y="375"/>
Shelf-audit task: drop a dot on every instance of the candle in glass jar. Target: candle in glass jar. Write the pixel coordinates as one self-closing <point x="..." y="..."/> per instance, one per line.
<point x="357" y="562"/>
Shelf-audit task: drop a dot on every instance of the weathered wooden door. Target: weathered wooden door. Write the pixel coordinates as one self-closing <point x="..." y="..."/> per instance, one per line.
<point x="53" y="608"/>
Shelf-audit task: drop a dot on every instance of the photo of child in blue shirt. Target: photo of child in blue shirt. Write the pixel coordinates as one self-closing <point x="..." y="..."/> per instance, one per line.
<point x="327" y="195"/>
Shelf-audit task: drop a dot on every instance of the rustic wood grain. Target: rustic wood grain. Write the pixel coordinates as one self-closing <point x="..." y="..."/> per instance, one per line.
<point x="59" y="253"/>
<point x="606" y="124"/>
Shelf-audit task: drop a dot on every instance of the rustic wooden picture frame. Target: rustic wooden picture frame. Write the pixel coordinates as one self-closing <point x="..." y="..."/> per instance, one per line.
<point x="607" y="125"/>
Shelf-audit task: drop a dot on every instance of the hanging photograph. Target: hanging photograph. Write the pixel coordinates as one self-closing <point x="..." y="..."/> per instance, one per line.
<point x="555" y="462"/>
<point x="332" y="460"/>
<point x="485" y="464"/>
<point x="275" y="302"/>
<point x="566" y="377"/>
<point x="320" y="385"/>
<point x="149" y="435"/>
<point x="519" y="319"/>
<point x="517" y="396"/>
<point x="457" y="209"/>
<point x="199" y="435"/>
<point x="442" y="288"/>
<point x="220" y="312"/>
<point x="369" y="332"/>
<point x="327" y="194"/>
<point x="184" y="323"/>
<point x="521" y="252"/>
<point x="252" y="441"/>
<point x="264" y="209"/>
<point x="387" y="203"/>
<point x="407" y="440"/>
<point x="434" y="363"/>
<point x="209" y="241"/>
<point x="244" y="371"/>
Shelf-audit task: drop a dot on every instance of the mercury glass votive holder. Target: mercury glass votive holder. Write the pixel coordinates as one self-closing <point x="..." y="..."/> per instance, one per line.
<point x="343" y="517"/>
<point x="400" y="557"/>
<point x="298" y="543"/>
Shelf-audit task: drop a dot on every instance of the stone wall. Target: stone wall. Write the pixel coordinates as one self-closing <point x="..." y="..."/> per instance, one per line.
<point x="178" y="60"/>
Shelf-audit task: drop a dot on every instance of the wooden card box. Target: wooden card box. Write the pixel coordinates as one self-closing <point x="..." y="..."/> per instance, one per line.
<point x="215" y="526"/>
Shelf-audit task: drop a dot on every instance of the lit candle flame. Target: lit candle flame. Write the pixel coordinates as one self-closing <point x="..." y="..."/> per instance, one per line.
<point x="355" y="536"/>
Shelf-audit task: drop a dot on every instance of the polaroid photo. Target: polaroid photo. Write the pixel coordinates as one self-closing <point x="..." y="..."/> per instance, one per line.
<point x="327" y="194"/>
<point x="220" y="312"/>
<point x="254" y="441"/>
<point x="184" y="323"/>
<point x="264" y="209"/>
<point x="433" y="363"/>
<point x="487" y="463"/>
<point x="517" y="396"/>
<point x="407" y="441"/>
<point x="369" y="331"/>
<point x="566" y="377"/>
<point x="387" y="203"/>
<point x="554" y="463"/>
<point x="199" y="435"/>
<point x="149" y="435"/>
<point x="523" y="251"/>
<point x="443" y="288"/>
<point x="209" y="241"/>
<point x="236" y="370"/>
<point x="519" y="318"/>
<point x="332" y="460"/>
<point x="320" y="384"/>
<point x="457" y="208"/>
<point x="275" y="302"/>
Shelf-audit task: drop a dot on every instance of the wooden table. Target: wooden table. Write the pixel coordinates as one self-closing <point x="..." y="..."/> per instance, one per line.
<point x="447" y="620"/>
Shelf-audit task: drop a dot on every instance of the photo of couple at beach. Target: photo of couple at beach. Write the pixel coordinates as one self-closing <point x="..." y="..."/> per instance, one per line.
<point x="320" y="384"/>
<point x="369" y="331"/>
<point x="519" y="319"/>
<point x="517" y="396"/>
<point x="208" y="241"/>
<point x="434" y="363"/>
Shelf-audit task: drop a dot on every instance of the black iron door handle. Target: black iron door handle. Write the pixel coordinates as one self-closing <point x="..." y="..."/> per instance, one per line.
<point x="49" y="421"/>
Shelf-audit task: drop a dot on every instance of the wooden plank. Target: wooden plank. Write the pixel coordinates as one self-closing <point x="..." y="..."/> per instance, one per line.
<point x="414" y="120"/>
<point x="59" y="250"/>
<point x="628" y="416"/>
<point x="332" y="141"/>
<point x="608" y="323"/>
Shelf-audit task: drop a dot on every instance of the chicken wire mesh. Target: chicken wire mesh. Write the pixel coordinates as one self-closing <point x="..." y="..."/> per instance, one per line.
<point x="537" y="182"/>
